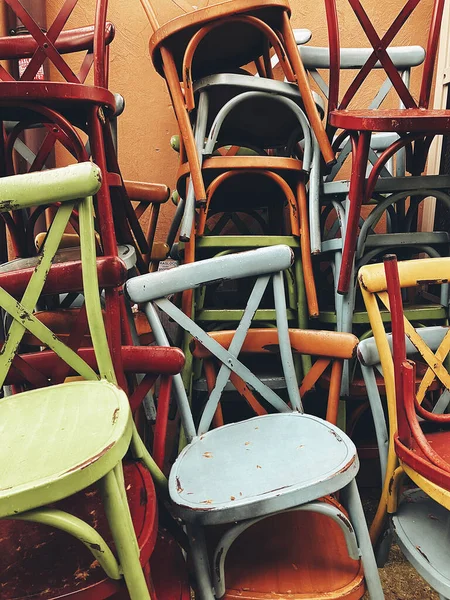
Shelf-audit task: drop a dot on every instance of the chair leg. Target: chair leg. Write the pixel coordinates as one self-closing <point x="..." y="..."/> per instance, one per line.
<point x="383" y="547"/>
<point x="356" y="196"/>
<point x="184" y="124"/>
<point x="356" y="513"/>
<point x="305" y="91"/>
<point x="124" y="537"/>
<point x="200" y="561"/>
<point x="200" y="132"/>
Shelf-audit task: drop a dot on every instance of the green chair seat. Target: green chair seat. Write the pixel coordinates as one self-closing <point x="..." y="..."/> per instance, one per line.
<point x="57" y="442"/>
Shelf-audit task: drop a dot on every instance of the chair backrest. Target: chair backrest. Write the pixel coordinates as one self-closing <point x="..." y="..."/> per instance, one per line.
<point x="267" y="264"/>
<point x="318" y="61"/>
<point x="369" y="358"/>
<point x="423" y="275"/>
<point x="34" y="47"/>
<point x="380" y="54"/>
<point x="65" y="186"/>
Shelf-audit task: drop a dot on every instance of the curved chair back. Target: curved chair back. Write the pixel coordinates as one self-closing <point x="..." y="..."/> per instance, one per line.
<point x="423" y="276"/>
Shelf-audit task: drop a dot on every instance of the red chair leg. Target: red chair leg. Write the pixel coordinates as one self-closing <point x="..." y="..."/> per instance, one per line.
<point x="356" y="197"/>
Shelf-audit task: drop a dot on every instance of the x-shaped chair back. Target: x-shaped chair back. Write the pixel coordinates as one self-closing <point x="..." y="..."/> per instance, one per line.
<point x="267" y="265"/>
<point x="318" y="60"/>
<point x="72" y="187"/>
<point x="380" y="46"/>
<point x="419" y="274"/>
<point x="39" y="46"/>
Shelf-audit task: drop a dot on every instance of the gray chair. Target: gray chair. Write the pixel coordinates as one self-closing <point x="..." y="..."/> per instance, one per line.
<point x="215" y="480"/>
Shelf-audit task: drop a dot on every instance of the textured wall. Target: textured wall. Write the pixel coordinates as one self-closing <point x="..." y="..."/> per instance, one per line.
<point x="147" y="123"/>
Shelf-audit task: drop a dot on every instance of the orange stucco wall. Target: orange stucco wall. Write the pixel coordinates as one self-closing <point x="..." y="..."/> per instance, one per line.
<point x="147" y="124"/>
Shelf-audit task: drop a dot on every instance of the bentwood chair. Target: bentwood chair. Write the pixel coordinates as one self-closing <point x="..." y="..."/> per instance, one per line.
<point x="422" y="453"/>
<point x="334" y="186"/>
<point x="418" y="516"/>
<point x="240" y="473"/>
<point x="75" y="85"/>
<point x="59" y="440"/>
<point x="197" y="44"/>
<point x="415" y="124"/>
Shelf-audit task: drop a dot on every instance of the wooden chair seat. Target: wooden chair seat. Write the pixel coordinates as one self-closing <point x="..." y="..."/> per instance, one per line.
<point x="256" y="474"/>
<point x="39" y="562"/>
<point x="413" y="457"/>
<point x="42" y="464"/>
<point x="296" y="555"/>
<point x="399" y="121"/>
<point x="227" y="48"/>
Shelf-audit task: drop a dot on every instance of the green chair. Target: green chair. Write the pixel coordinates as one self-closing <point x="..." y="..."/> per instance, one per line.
<point x="58" y="440"/>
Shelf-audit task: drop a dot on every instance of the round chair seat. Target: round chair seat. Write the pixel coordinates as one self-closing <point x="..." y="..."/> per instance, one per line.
<point x="33" y="564"/>
<point x="408" y="120"/>
<point x="219" y="54"/>
<point x="261" y="465"/>
<point x="58" y="440"/>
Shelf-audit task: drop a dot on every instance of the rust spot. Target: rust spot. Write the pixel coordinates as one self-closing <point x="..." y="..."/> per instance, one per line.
<point x="361" y="283"/>
<point x="7" y="205"/>
<point x="347" y="466"/>
<point x="338" y="437"/>
<point x="115" y="415"/>
<point x="247" y="443"/>
<point x="206" y="502"/>
<point x="275" y="348"/>
<point x="187" y="75"/>
<point x="258" y="467"/>
<point x="232" y="498"/>
<point x="207" y="455"/>
<point x="96" y="547"/>
<point x="346" y="522"/>
<point x="427" y="281"/>
<point x="217" y="565"/>
<point x="422" y="553"/>
<point x="90" y="460"/>
<point x="179" y="488"/>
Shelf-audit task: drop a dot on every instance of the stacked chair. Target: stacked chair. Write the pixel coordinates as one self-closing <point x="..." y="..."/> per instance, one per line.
<point x="415" y="442"/>
<point x="65" y="320"/>
<point x="225" y="433"/>
<point x="245" y="147"/>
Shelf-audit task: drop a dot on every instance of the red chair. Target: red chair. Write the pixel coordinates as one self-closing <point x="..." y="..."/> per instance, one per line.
<point x="90" y="107"/>
<point x="422" y="446"/>
<point x="416" y="124"/>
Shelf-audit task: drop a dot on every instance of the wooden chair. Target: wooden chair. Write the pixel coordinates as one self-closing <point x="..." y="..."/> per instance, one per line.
<point x="417" y="446"/>
<point x="233" y="473"/>
<point x="415" y="124"/>
<point x="334" y="186"/>
<point x="74" y="441"/>
<point x="182" y="50"/>
<point x="89" y="106"/>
